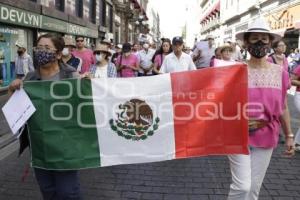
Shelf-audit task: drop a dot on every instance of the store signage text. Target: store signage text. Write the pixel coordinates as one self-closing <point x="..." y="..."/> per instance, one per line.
<point x="11" y="15"/>
<point x="283" y="20"/>
<point x="19" y="17"/>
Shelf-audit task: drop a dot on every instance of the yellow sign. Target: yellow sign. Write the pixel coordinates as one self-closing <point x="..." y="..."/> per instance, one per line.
<point x="284" y="19"/>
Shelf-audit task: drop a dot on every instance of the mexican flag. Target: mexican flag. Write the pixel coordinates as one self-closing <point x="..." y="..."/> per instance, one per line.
<point x="82" y="123"/>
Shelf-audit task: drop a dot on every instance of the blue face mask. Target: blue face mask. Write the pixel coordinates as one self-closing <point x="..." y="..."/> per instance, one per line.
<point x="42" y="57"/>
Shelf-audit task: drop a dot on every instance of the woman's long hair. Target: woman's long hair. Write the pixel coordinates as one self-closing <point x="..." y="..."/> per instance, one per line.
<point x="160" y="51"/>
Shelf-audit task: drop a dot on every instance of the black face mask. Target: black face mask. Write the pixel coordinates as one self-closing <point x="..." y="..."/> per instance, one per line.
<point x="258" y="49"/>
<point x="20" y="53"/>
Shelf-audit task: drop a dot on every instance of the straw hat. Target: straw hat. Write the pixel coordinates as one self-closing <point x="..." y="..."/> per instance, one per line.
<point x="225" y="46"/>
<point x="69" y="41"/>
<point x="102" y="48"/>
<point x="106" y="41"/>
<point x="258" y="26"/>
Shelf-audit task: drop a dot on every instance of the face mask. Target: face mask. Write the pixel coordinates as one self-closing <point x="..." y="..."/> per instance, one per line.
<point x="258" y="49"/>
<point x="42" y="57"/>
<point x="99" y="57"/>
<point x="65" y="52"/>
<point x="20" y="53"/>
<point x="146" y="46"/>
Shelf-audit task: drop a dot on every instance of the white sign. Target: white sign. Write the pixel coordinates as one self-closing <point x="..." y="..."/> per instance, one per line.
<point x="17" y="110"/>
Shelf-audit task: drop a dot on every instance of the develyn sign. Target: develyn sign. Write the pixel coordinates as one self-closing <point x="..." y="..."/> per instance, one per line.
<point x="16" y="16"/>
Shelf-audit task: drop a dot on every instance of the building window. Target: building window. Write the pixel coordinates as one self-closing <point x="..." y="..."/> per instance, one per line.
<point x="110" y="22"/>
<point x="102" y="13"/>
<point x="60" y="5"/>
<point x="93" y="11"/>
<point x="79" y="8"/>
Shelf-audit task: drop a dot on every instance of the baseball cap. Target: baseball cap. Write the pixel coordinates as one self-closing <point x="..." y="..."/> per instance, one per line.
<point x="177" y="40"/>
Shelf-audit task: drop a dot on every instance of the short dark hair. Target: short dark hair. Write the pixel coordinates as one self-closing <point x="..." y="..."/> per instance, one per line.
<point x="58" y="41"/>
<point x="79" y="36"/>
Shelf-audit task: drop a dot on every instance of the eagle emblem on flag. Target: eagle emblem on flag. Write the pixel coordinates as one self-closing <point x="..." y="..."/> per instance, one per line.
<point x="135" y="120"/>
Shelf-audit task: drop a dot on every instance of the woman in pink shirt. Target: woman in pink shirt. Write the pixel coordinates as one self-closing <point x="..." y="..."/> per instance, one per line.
<point x="278" y="57"/>
<point x="127" y="63"/>
<point x="266" y="110"/>
<point x="159" y="56"/>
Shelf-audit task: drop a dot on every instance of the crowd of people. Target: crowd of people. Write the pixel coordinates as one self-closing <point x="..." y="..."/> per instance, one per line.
<point x="269" y="78"/>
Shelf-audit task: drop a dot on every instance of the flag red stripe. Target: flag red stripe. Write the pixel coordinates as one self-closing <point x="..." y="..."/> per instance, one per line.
<point x="208" y="111"/>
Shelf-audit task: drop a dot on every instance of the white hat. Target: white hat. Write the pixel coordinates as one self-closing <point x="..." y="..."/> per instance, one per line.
<point x="21" y="45"/>
<point x="258" y="26"/>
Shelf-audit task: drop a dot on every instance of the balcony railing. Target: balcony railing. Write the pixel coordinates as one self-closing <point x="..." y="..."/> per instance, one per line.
<point x="212" y="24"/>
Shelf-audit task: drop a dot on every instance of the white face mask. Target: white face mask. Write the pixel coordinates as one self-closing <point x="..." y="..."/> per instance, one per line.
<point x="65" y="52"/>
<point x="99" y="57"/>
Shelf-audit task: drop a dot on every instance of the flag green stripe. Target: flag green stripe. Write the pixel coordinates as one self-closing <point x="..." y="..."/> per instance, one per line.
<point x="57" y="140"/>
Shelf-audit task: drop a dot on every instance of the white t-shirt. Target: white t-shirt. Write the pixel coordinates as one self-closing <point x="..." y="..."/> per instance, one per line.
<point x="173" y="64"/>
<point x="101" y="72"/>
<point x="145" y="59"/>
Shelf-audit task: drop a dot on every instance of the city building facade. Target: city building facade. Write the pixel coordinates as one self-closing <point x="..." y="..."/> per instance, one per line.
<point x="24" y="21"/>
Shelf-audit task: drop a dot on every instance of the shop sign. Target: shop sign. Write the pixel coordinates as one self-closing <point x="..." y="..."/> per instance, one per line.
<point x="284" y="19"/>
<point x="52" y="24"/>
<point x="16" y="16"/>
<point x="80" y="30"/>
<point x="12" y="15"/>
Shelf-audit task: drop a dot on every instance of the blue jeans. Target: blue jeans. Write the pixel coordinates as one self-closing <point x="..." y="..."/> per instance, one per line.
<point x="58" y="185"/>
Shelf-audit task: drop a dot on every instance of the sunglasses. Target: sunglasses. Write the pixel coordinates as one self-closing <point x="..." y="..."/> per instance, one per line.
<point x="79" y="40"/>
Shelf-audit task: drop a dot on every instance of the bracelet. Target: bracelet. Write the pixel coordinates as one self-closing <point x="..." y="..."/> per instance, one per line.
<point x="290" y="135"/>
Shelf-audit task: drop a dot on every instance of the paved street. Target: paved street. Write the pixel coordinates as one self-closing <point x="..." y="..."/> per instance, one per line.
<point x="197" y="178"/>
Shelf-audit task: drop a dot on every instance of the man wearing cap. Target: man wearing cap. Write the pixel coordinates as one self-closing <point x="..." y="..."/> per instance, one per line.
<point x="145" y="57"/>
<point x="23" y="62"/>
<point x="68" y="57"/>
<point x="177" y="61"/>
<point x="203" y="52"/>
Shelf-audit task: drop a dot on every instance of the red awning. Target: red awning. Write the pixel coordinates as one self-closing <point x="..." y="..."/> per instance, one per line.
<point x="213" y="10"/>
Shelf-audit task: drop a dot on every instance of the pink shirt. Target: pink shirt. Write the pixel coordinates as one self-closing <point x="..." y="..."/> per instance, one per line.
<point x="285" y="63"/>
<point x="267" y="89"/>
<point x="158" y="60"/>
<point x="87" y="58"/>
<point x="297" y="73"/>
<point x="132" y="61"/>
